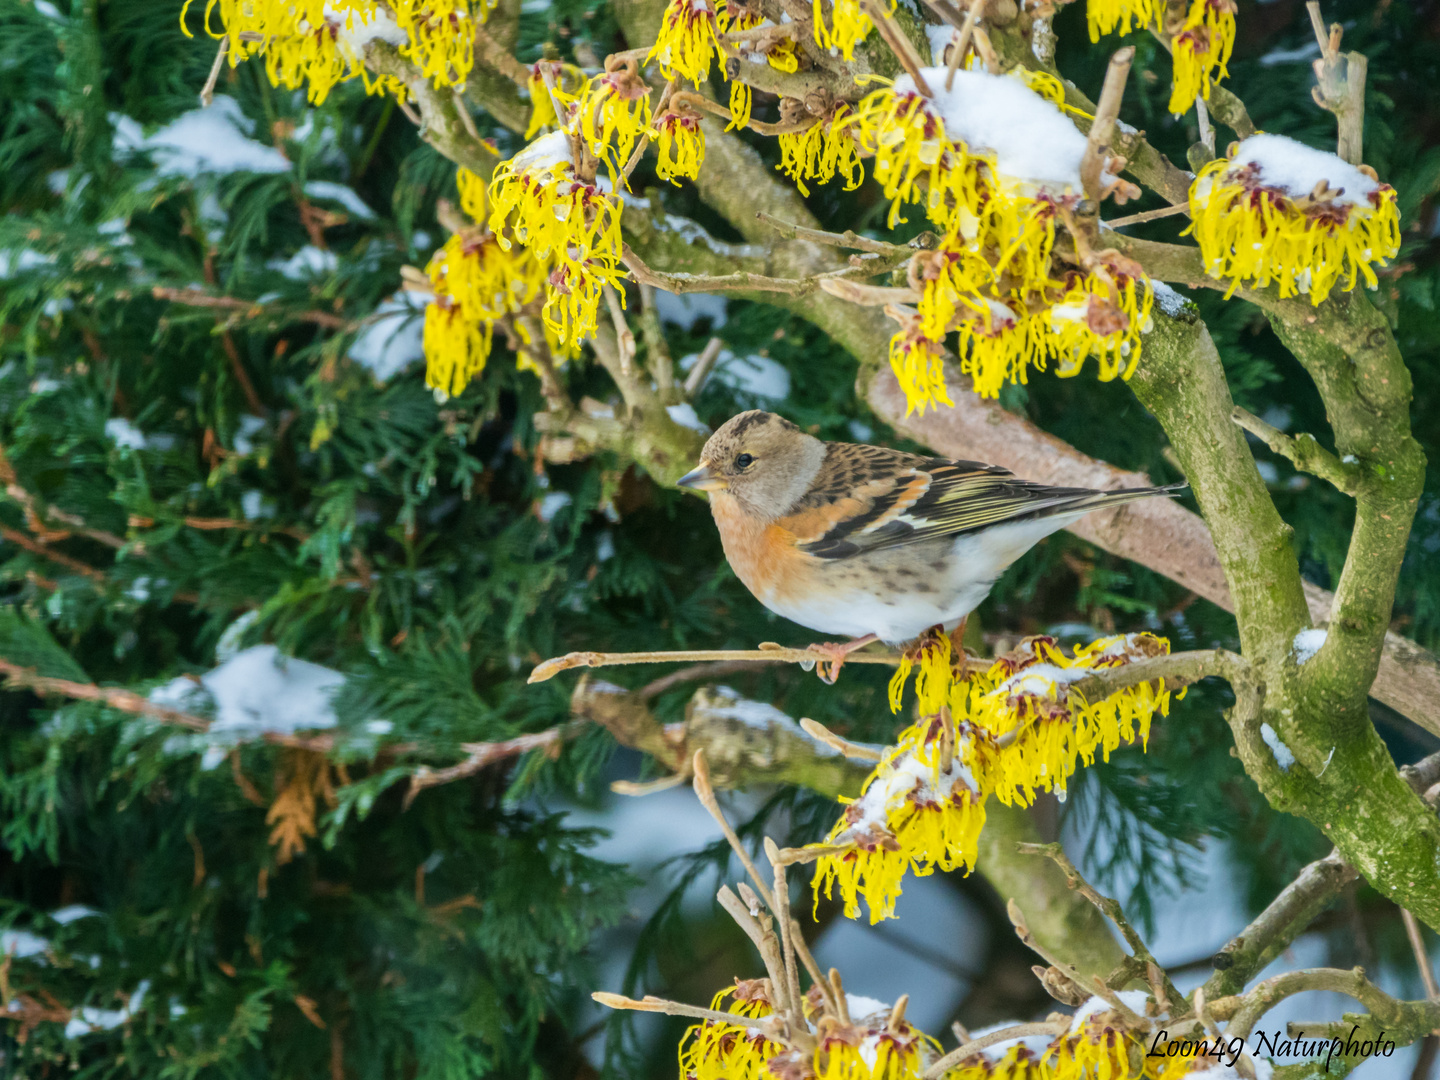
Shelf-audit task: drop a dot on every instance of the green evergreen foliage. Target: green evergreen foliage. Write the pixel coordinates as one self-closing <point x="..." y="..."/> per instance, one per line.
<point x="231" y="477"/>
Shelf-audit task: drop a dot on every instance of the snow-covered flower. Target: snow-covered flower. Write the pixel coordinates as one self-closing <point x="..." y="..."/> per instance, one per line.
<point x="1279" y="211"/>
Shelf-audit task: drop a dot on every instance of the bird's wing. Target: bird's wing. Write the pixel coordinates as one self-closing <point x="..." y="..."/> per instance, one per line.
<point x="867" y="498"/>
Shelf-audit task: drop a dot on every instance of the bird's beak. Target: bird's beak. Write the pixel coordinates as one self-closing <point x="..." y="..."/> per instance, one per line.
<point x="701" y="478"/>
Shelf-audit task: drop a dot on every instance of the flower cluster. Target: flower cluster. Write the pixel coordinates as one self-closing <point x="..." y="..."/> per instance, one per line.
<point x="612" y="114"/>
<point x="822" y="150"/>
<point x="317" y="44"/>
<point x="849" y="25"/>
<point x="476" y="281"/>
<point x="1009" y="731"/>
<point x="538" y="200"/>
<point x="996" y="164"/>
<point x="679" y="144"/>
<point x="859" y="1039"/>
<point x="1278" y="211"/>
<point x="1200" y="42"/>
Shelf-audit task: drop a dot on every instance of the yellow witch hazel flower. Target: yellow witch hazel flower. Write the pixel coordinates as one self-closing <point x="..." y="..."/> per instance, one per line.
<point x="476" y="281"/>
<point x="1112" y="16"/>
<point x="680" y="145"/>
<point x="1099" y="1045"/>
<point x="543" y="98"/>
<point x="1027" y="730"/>
<point x="1102" y="314"/>
<point x="1200" y="50"/>
<point x="688" y="40"/>
<point x="613" y="113"/>
<point x="849" y="25"/>
<point x="823" y="149"/>
<point x="920" y="810"/>
<point x="441" y="36"/>
<point x="713" y="1050"/>
<point x="1279" y="211"/>
<point x="572" y="224"/>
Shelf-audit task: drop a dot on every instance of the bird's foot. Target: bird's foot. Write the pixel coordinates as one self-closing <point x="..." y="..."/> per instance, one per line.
<point x="831" y="656"/>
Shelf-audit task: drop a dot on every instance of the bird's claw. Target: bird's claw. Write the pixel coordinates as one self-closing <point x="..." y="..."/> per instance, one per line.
<point x="829" y="660"/>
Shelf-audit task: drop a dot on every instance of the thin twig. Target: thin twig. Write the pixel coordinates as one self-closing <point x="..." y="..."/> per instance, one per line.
<point x="1340" y="86"/>
<point x="695" y="673"/>
<point x="1422" y="956"/>
<point x="253" y="310"/>
<point x="788" y="934"/>
<point x="625" y="340"/>
<point x="705" y="791"/>
<point x="207" y="92"/>
<point x="674" y="1008"/>
<point x="974" y="1046"/>
<point x="848" y="239"/>
<point x="761" y="935"/>
<point x="817" y="730"/>
<point x="1302" y="451"/>
<point x="483" y="755"/>
<point x="899" y="44"/>
<point x="23" y="678"/>
<point x="1148" y="215"/>
<point x="704" y="364"/>
<point x="1102" y="129"/>
<point x="766" y="654"/>
<point x="962" y="41"/>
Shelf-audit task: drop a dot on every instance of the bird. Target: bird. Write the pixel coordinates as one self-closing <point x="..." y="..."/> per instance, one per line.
<point x="871" y="543"/>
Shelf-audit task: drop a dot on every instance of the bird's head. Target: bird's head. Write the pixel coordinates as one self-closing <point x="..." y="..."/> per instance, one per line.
<point x="762" y="460"/>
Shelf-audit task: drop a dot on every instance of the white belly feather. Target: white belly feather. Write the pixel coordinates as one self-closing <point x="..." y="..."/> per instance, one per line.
<point x="899" y="593"/>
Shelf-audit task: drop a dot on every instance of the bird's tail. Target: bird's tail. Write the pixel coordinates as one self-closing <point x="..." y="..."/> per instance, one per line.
<point x="1103" y="500"/>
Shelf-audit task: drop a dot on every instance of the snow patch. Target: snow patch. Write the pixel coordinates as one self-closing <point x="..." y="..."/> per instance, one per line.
<point x="1283" y="755"/>
<point x="395" y="337"/>
<point x="258" y="690"/>
<point x="1295" y="168"/>
<point x="1168" y="300"/>
<point x="685" y="309"/>
<point x="552" y="504"/>
<point x="1133" y="999"/>
<point x="309" y="262"/>
<point x="684" y="415"/>
<point x="21" y="944"/>
<point x="1307" y="643"/>
<point x="1031" y="139"/>
<point x="547" y="150"/>
<point x="345" y="196"/>
<point x="754" y="374"/>
<point x="124" y="434"/>
<point x="211" y="140"/>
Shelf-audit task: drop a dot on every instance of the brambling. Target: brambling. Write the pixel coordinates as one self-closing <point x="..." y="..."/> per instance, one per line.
<point x="868" y="542"/>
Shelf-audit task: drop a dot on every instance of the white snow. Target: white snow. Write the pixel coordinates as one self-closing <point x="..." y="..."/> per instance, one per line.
<point x="254" y="506"/>
<point x="1031" y="139"/>
<point x="395" y="338"/>
<point x="552" y="504"/>
<point x="684" y="415"/>
<point x="1350" y="459"/>
<point x="861" y="1008"/>
<point x="358" y="28"/>
<point x="49" y="10"/>
<point x="124" y="434"/>
<point x="345" y="196"/>
<point x="229" y="644"/>
<point x="685" y="309"/>
<point x="1039" y="679"/>
<point x="1169" y="301"/>
<point x="209" y="140"/>
<point x="605" y="546"/>
<point x="547" y="150"/>
<point x="309" y="262"/>
<point x="1283" y="755"/>
<point x="1133" y="999"/>
<point x="68" y="914"/>
<point x="25" y="259"/>
<point x="379" y="727"/>
<point x="259" y="690"/>
<point x="1295" y="168"/>
<point x="753" y="374"/>
<point x="21" y="944"/>
<point x="940" y="36"/>
<point x="1307" y="643"/>
<point x="1308" y="51"/>
<point x="244" y="439"/>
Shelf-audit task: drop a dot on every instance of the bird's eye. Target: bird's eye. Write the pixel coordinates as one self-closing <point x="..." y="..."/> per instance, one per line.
<point x="744" y="461"/>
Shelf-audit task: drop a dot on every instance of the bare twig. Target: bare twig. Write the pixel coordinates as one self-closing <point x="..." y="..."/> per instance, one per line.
<point x="483" y="755"/>
<point x="1422" y="956"/>
<point x="23" y="678"/>
<point x="1094" y="986"/>
<point x="829" y="738"/>
<point x="704" y="364"/>
<point x="848" y="239"/>
<point x="1148" y="215"/>
<point x="1341" y="86"/>
<point x="899" y="44"/>
<point x="962" y="41"/>
<point x="207" y="92"/>
<point x="974" y="1046"/>
<point x="766" y="654"/>
<point x="253" y="310"/>
<point x="788" y="933"/>
<point x="744" y="281"/>
<point x="674" y="1008"/>
<point x="1102" y="131"/>
<point x="696" y="673"/>
<point x="705" y="791"/>
<point x="1142" y="959"/>
<point x="623" y="336"/>
<point x="1302" y="451"/>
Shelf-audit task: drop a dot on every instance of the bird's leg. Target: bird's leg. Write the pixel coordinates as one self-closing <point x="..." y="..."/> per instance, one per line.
<point x="957" y="639"/>
<point x="833" y="653"/>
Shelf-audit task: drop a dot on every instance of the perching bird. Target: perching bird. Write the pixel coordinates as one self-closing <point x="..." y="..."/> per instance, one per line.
<point x="868" y="542"/>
